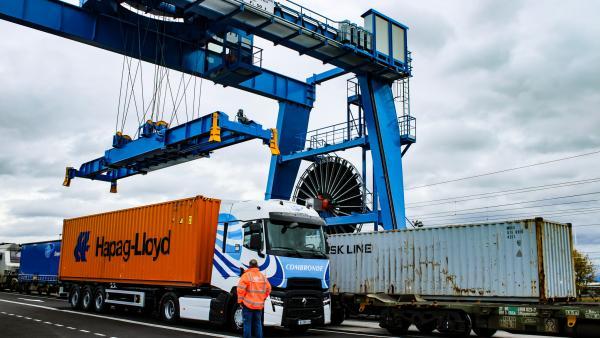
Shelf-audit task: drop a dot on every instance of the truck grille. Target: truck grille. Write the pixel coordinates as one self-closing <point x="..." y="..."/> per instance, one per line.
<point x="304" y="302"/>
<point x="314" y="313"/>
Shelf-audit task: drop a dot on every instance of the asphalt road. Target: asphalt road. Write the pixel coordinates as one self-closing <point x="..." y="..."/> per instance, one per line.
<point x="40" y="316"/>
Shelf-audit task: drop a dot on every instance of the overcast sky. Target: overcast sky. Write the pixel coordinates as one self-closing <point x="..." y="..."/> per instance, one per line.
<point x="496" y="85"/>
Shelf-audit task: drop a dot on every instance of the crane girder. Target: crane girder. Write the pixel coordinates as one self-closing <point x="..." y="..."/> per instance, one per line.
<point x="125" y="35"/>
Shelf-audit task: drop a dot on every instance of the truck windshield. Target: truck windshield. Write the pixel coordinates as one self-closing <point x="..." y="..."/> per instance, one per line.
<point x="15" y="256"/>
<point x="295" y="240"/>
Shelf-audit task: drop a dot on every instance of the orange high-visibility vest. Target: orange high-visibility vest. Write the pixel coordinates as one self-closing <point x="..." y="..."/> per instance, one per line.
<point x="253" y="289"/>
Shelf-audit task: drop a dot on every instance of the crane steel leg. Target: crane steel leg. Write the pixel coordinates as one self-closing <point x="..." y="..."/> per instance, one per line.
<point x="384" y="136"/>
<point x="292" y="124"/>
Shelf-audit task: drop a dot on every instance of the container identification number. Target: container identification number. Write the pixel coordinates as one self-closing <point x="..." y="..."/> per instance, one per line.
<point x="512" y="232"/>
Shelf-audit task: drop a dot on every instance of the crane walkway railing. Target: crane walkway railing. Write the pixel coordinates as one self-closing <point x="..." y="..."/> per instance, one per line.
<point x="352" y="130"/>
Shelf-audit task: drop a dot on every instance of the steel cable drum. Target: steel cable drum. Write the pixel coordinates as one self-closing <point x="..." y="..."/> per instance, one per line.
<point x="338" y="185"/>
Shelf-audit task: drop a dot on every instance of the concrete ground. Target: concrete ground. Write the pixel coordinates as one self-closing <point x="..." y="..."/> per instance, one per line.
<point x="40" y="316"/>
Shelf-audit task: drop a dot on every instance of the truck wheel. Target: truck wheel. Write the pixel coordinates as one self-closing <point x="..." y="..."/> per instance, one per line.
<point x="169" y="307"/>
<point x="236" y="318"/>
<point x="27" y="289"/>
<point x="14" y="286"/>
<point x="484" y="332"/>
<point x="75" y="297"/>
<point x="100" y="305"/>
<point x="87" y="298"/>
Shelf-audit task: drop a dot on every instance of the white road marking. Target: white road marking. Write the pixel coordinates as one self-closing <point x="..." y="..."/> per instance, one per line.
<point x="347" y="333"/>
<point x="205" y="333"/>
<point x="27" y="304"/>
<point x="31" y="300"/>
<point x="56" y="324"/>
<point x="40" y="297"/>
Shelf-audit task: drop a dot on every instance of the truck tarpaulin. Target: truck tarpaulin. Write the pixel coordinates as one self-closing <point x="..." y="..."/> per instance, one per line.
<point x="39" y="262"/>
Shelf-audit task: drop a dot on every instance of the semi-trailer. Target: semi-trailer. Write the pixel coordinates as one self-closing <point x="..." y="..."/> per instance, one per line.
<point x="183" y="259"/>
<point x="9" y="265"/>
<point x="515" y="276"/>
<point x="38" y="269"/>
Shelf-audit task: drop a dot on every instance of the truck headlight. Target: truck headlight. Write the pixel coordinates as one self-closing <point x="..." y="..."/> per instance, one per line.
<point x="326" y="299"/>
<point x="277" y="301"/>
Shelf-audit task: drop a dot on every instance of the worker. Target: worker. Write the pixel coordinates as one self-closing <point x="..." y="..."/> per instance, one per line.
<point x="252" y="290"/>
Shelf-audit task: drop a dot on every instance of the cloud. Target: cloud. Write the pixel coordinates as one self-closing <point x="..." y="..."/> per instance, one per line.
<point x="497" y="85"/>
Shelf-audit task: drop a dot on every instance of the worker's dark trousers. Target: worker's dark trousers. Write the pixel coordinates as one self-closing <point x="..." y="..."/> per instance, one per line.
<point x="252" y="322"/>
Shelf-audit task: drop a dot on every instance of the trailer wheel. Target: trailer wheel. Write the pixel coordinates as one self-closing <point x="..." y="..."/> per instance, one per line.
<point x="100" y="305"/>
<point x="399" y="330"/>
<point x="456" y="324"/>
<point x="484" y="332"/>
<point x="426" y="328"/>
<point x="169" y="307"/>
<point x="394" y="322"/>
<point x="75" y="297"/>
<point x="87" y="298"/>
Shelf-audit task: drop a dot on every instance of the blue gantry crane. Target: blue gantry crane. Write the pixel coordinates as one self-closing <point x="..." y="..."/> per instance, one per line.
<point x="214" y="39"/>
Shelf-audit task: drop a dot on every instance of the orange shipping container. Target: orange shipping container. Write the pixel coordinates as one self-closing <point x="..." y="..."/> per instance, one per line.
<point x="167" y="244"/>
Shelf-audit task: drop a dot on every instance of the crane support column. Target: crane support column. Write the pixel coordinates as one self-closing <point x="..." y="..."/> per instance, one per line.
<point x="291" y="122"/>
<point x="384" y="137"/>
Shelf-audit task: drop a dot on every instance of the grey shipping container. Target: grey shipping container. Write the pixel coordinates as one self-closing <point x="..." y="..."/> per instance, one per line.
<point x="525" y="260"/>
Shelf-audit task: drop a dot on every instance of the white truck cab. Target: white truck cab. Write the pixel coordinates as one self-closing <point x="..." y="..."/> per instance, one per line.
<point x="10" y="255"/>
<point x="288" y="241"/>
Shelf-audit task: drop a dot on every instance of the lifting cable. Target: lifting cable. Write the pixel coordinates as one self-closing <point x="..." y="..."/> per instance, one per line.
<point x="163" y="88"/>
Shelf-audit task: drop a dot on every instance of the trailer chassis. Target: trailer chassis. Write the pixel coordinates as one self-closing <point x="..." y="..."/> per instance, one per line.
<point x="458" y="318"/>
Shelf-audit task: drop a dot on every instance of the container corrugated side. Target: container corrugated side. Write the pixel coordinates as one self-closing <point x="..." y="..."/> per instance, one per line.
<point x="493" y="260"/>
<point x="177" y="250"/>
<point x="556" y="245"/>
